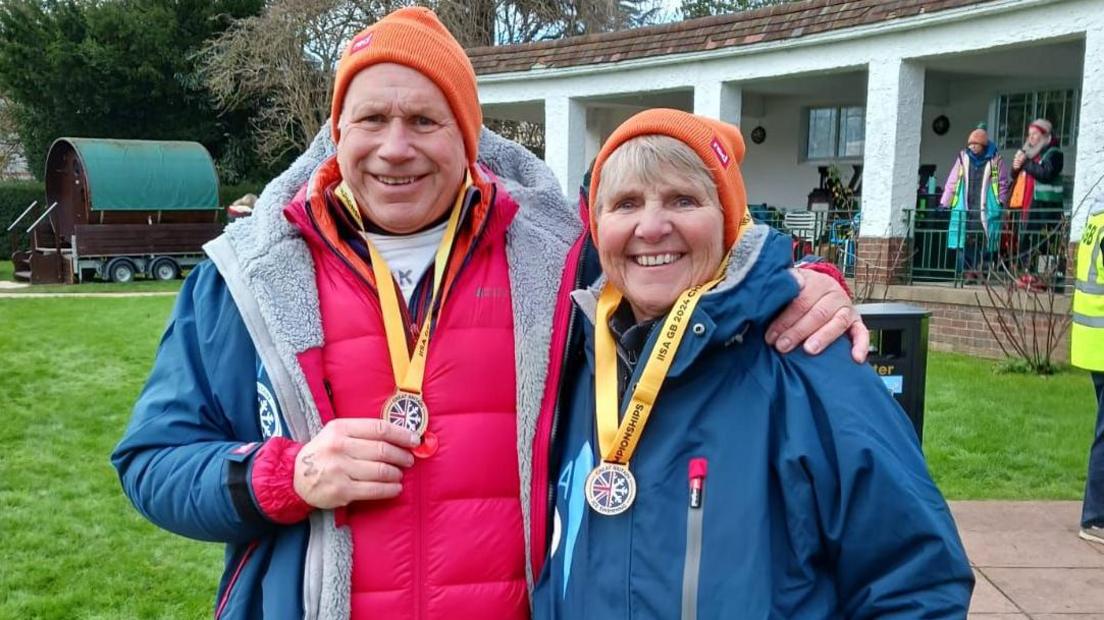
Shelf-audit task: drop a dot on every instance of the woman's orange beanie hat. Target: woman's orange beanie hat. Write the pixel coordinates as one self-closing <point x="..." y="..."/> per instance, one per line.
<point x="415" y="38"/>
<point x="719" y="145"/>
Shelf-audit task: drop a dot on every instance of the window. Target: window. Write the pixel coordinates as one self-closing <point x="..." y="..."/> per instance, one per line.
<point x="1016" y="111"/>
<point x="835" y="133"/>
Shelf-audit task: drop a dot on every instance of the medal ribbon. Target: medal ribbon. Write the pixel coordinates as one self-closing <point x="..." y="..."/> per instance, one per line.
<point x="617" y="443"/>
<point x="409" y="370"/>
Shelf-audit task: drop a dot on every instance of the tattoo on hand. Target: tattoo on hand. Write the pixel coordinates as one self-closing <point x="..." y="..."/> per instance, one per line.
<point x="308" y="460"/>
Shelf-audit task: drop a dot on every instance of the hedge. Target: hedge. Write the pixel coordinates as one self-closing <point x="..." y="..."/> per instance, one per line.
<point x="16" y="195"/>
<point x="14" y="198"/>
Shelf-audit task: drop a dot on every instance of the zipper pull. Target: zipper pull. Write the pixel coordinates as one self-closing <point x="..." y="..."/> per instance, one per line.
<point x="699" y="467"/>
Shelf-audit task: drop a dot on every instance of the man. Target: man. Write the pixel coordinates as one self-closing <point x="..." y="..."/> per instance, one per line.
<point x="1038" y="192"/>
<point x="350" y="394"/>
<point x="1087" y="341"/>
<point x="976" y="192"/>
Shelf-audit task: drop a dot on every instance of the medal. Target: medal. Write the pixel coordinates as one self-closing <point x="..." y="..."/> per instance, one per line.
<point x="407" y="408"/>
<point x="408" y="411"/>
<point x="610" y="489"/>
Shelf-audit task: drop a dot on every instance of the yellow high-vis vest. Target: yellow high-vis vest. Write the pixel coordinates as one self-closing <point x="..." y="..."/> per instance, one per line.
<point x="1087" y="331"/>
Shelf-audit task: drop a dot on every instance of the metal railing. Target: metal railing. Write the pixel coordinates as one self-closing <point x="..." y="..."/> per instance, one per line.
<point x="831" y="235"/>
<point x="1018" y="246"/>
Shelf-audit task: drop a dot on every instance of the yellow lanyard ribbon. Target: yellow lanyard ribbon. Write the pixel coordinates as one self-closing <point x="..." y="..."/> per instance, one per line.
<point x="617" y="443"/>
<point x="409" y="370"/>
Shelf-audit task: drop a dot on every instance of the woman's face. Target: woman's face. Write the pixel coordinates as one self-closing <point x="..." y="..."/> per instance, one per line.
<point x="656" y="240"/>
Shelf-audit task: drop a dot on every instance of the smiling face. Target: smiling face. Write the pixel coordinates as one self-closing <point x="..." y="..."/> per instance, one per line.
<point x="401" y="151"/>
<point x="660" y="227"/>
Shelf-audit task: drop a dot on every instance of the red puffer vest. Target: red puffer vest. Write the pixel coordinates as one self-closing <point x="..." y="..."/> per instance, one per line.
<point x="451" y="545"/>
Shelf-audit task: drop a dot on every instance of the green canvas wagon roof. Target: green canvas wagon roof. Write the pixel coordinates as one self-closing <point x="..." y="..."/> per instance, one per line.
<point x="145" y="175"/>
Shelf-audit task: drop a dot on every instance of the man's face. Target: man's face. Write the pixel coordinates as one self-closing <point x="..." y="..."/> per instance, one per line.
<point x="977" y="147"/>
<point x="1034" y="136"/>
<point x="400" y="150"/>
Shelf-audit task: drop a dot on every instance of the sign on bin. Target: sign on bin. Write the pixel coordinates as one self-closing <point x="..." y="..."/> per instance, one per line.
<point x="899" y="353"/>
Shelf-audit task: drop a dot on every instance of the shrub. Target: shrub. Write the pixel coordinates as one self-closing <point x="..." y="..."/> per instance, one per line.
<point x="14" y="198"/>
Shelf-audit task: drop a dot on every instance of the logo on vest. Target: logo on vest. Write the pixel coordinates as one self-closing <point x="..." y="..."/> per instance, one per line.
<point x="268" y="413"/>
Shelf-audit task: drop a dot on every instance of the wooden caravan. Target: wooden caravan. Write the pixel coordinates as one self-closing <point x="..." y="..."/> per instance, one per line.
<point x="121" y="208"/>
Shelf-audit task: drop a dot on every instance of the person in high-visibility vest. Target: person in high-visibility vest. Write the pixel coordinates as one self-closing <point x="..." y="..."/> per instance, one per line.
<point x="1087" y="351"/>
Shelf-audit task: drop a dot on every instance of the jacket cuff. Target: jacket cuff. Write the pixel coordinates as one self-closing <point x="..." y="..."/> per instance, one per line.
<point x="830" y="270"/>
<point x="272" y="479"/>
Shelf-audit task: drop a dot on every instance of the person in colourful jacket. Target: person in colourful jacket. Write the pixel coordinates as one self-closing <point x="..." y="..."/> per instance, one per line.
<point x="697" y="473"/>
<point x="350" y="393"/>
<point x="976" y="192"/>
<point x="1039" y="198"/>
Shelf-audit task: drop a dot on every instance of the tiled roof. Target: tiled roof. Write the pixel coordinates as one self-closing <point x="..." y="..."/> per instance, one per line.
<point x="781" y="22"/>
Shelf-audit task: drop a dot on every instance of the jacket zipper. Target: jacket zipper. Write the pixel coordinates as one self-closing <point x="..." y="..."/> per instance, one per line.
<point x="691" y="566"/>
<point x="234" y="579"/>
<point x="541" y="473"/>
<point x="411" y="334"/>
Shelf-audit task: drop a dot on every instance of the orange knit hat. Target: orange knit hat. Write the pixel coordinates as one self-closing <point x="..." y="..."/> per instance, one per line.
<point x="415" y="38"/>
<point x="978" y="136"/>
<point x="719" y="145"/>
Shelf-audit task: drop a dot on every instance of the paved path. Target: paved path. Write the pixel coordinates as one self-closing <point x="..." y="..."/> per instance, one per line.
<point x="1029" y="561"/>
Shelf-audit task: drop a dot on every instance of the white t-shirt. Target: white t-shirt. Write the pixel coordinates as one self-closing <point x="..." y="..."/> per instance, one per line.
<point x="408" y="256"/>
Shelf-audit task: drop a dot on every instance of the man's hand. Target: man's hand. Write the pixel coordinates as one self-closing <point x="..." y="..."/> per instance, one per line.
<point x="1018" y="160"/>
<point x="352" y="460"/>
<point x="821" y="313"/>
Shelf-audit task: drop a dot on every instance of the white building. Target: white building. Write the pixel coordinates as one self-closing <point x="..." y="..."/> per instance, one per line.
<point x="828" y="82"/>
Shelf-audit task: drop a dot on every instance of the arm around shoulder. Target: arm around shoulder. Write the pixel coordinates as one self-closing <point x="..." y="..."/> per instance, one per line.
<point x="889" y="532"/>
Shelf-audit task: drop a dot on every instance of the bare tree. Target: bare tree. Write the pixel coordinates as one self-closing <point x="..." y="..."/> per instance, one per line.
<point x="1024" y="315"/>
<point x="10" y="147"/>
<point x="1027" y="321"/>
<point x="523" y="21"/>
<point x="286" y="58"/>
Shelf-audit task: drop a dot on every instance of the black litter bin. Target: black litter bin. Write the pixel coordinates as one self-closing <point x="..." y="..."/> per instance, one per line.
<point x="899" y="353"/>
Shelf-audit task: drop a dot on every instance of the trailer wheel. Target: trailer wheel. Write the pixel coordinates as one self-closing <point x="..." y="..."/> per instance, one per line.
<point x="121" y="270"/>
<point x="165" y="269"/>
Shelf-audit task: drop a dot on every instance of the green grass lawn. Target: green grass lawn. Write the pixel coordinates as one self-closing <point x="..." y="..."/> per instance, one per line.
<point x="1006" y="436"/>
<point x="72" y="546"/>
<point x="137" y="286"/>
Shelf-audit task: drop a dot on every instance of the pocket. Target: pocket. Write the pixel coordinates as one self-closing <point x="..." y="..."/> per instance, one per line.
<point x="691" y="565"/>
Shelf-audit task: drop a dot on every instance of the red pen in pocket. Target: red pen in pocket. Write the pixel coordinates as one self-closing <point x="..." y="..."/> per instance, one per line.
<point x="699" y="467"/>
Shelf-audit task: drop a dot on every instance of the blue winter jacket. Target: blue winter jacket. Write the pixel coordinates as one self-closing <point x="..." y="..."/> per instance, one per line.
<point x="817" y="502"/>
<point x="180" y="467"/>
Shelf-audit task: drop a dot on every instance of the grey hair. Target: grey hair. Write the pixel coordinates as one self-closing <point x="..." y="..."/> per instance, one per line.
<point x="646" y="160"/>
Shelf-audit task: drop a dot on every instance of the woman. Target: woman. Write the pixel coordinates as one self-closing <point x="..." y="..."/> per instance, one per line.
<point x="976" y="192"/>
<point x="758" y="485"/>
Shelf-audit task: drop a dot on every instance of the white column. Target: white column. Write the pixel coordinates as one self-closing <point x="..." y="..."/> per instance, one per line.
<point x="565" y="134"/>
<point x="719" y="100"/>
<point x="894" y="104"/>
<point x="1090" y="133"/>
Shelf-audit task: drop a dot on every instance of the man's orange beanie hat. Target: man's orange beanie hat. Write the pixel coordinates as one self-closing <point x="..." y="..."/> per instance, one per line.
<point x="719" y="145"/>
<point x="415" y="38"/>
